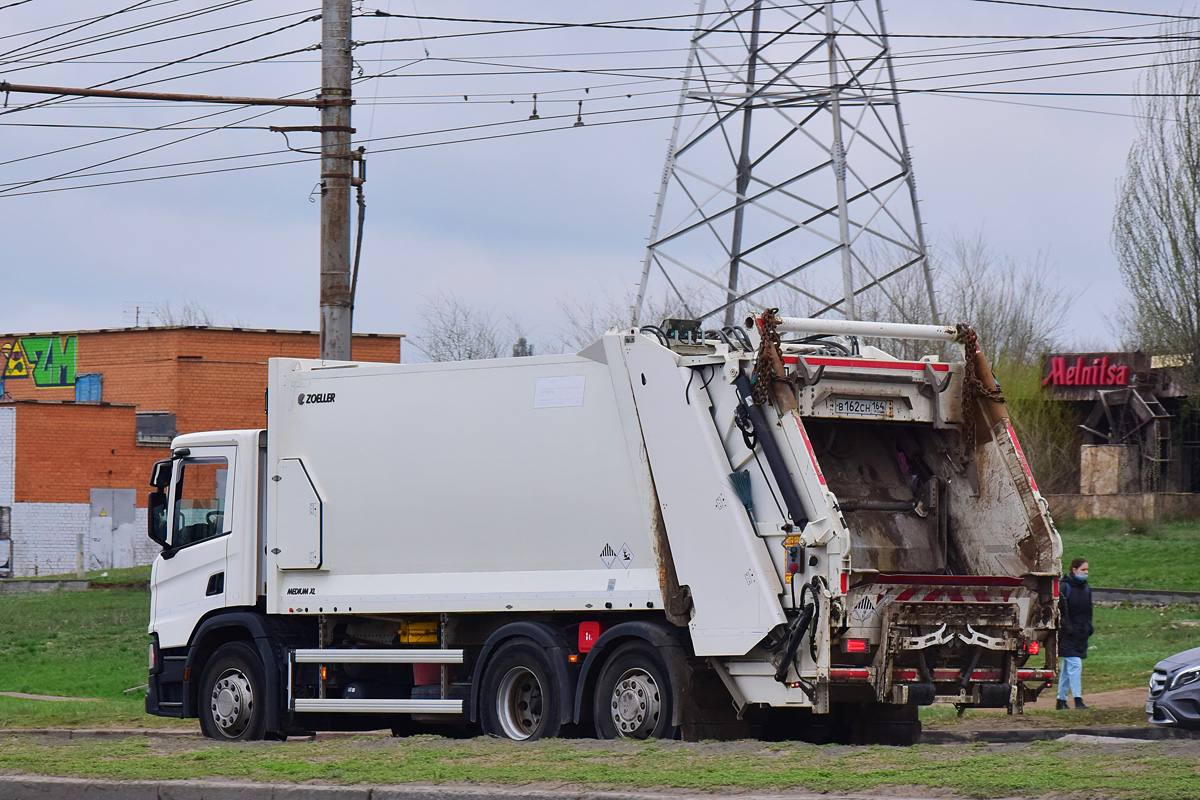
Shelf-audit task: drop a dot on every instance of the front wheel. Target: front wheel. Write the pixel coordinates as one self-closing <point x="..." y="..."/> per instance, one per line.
<point x="520" y="697"/>
<point x="232" y="696"/>
<point x="633" y="695"/>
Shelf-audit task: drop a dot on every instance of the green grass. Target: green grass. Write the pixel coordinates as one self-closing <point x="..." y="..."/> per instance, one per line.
<point x="1130" y="640"/>
<point x="1161" y="556"/>
<point x="1152" y="771"/>
<point x="74" y="644"/>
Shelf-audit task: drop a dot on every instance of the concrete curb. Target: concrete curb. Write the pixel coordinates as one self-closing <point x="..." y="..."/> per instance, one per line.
<point x="1150" y="597"/>
<point x="15" y="787"/>
<point x="1152" y="733"/>
<point x="35" y="787"/>
<point x="1149" y="733"/>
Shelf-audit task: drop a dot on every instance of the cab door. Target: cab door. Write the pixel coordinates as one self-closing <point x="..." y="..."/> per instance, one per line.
<point x="190" y="575"/>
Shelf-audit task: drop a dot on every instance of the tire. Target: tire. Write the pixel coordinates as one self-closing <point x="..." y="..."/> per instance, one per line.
<point x="633" y="695"/>
<point x="877" y="723"/>
<point x="232" y="701"/>
<point x="520" y="698"/>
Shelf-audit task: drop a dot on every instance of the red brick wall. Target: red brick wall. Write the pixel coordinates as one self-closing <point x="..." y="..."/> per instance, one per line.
<point x="211" y="379"/>
<point x="64" y="450"/>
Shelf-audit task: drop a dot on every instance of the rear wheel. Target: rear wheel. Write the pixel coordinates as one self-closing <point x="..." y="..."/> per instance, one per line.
<point x="633" y="695"/>
<point x="520" y="698"/>
<point x="232" y="699"/>
<point x="879" y="723"/>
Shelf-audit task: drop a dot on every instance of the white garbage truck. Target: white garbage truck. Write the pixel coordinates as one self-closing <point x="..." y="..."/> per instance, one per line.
<point x="776" y="531"/>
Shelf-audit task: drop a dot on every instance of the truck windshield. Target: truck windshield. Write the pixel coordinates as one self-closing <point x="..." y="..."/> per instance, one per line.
<point x="199" y="501"/>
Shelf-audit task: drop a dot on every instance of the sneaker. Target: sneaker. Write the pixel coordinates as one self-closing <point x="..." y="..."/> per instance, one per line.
<point x="1079" y="703"/>
<point x="1061" y="705"/>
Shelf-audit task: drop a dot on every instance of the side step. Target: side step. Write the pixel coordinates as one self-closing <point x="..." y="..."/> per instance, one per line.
<point x="372" y="705"/>
<point x="368" y="706"/>
<point x="377" y="656"/>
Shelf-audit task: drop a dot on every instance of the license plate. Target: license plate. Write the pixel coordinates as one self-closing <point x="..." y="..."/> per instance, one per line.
<point x="1150" y="707"/>
<point x="862" y="407"/>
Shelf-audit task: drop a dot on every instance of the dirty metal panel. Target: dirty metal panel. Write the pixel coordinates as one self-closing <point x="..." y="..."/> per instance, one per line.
<point x="955" y="614"/>
<point x="862" y="468"/>
<point x="1000" y="528"/>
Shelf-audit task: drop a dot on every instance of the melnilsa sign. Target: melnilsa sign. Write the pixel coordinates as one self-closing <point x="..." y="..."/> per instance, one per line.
<point x="1088" y="370"/>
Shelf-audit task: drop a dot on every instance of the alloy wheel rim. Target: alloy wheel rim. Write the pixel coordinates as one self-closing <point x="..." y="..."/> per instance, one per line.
<point x="636" y="704"/>
<point x="232" y="703"/>
<point x="519" y="703"/>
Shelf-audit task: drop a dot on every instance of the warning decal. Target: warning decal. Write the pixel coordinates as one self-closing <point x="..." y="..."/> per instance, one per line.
<point x="608" y="555"/>
<point x="862" y="611"/>
<point x="626" y="555"/>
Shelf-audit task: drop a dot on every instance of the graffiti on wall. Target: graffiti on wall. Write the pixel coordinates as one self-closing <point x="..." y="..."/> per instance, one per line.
<point x="48" y="360"/>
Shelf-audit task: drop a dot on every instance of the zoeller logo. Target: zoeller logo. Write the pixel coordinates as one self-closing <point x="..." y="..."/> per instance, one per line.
<point x="315" y="398"/>
<point x="305" y="590"/>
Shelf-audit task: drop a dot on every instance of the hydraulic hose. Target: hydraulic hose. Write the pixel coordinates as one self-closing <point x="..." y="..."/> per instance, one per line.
<point x="779" y="471"/>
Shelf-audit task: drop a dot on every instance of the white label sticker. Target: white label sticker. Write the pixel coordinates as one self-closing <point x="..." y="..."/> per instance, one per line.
<point x="559" y="392"/>
<point x="625" y="555"/>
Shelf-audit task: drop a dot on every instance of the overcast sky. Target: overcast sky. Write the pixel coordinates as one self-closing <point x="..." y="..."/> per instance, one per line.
<point x="514" y="224"/>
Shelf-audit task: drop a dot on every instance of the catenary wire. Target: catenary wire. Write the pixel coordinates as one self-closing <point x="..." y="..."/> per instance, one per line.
<point x="63" y="46"/>
<point x="947" y="89"/>
<point x="449" y="142"/>
<point x="32" y="31"/>
<point x="1081" y="8"/>
<point x="168" y="39"/>
<point x="81" y="25"/>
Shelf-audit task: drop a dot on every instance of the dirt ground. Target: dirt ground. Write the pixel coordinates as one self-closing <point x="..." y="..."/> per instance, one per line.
<point x="1129" y="700"/>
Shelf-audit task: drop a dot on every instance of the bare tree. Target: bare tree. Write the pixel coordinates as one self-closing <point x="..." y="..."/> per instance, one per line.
<point x="191" y="313"/>
<point x="453" y="330"/>
<point x="1018" y="309"/>
<point x="585" y="319"/>
<point x="1156" y="227"/>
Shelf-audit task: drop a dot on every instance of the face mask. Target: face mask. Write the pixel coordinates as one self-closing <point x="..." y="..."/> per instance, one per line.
<point x="1082" y="576"/>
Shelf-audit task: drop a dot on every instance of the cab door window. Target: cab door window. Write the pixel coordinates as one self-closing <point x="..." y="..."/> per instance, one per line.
<point x="200" y="494"/>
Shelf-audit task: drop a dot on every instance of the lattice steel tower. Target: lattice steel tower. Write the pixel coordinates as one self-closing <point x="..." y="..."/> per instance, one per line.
<point x="788" y="178"/>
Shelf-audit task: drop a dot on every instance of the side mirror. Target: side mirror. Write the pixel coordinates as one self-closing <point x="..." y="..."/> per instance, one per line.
<point x="160" y="474"/>
<point x="156" y="515"/>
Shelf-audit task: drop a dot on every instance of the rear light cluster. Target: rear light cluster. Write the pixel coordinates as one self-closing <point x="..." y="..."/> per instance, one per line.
<point x="1033" y="648"/>
<point x="856" y="646"/>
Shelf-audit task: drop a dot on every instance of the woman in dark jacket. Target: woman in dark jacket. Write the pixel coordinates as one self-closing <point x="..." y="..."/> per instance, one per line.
<point x="1075" y="626"/>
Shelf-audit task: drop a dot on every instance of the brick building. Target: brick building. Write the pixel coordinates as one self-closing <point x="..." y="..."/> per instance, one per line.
<point x="85" y="414"/>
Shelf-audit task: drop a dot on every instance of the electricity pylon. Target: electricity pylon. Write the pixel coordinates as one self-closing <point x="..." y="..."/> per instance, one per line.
<point x="788" y="178"/>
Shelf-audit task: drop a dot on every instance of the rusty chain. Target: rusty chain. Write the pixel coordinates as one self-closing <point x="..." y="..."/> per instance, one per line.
<point x="764" y="368"/>
<point x="973" y="387"/>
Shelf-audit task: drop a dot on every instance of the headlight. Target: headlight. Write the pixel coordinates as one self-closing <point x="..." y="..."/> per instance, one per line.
<point x="155" y="664"/>
<point x="1185" y="676"/>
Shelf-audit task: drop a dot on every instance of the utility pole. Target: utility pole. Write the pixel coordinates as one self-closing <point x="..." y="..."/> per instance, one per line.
<point x="337" y="162"/>
<point x="336" y="177"/>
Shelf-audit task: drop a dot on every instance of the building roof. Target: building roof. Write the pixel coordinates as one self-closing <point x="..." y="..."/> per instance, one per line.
<point x="154" y="328"/>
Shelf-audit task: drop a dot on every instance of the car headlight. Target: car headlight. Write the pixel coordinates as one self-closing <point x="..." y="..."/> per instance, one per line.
<point x="1185" y="676"/>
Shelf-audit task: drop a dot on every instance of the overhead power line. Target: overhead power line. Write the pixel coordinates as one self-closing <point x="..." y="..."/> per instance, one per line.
<point x="44" y="28"/>
<point x="81" y="25"/>
<point x="963" y="91"/>
<point x="1082" y="8"/>
<point x="62" y="46"/>
<point x="129" y="46"/>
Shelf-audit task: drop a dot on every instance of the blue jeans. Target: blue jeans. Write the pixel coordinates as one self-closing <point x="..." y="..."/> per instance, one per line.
<point x="1072" y="672"/>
